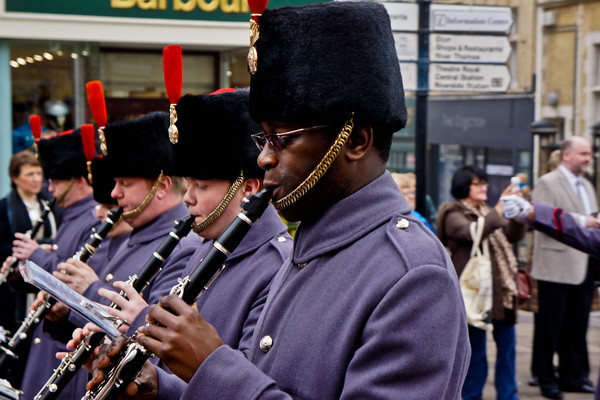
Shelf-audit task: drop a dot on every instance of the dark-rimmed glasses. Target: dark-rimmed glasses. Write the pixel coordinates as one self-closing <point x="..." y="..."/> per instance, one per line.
<point x="279" y="141"/>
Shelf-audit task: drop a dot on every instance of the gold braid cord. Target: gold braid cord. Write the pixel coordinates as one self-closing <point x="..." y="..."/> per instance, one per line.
<point x="62" y="196"/>
<point x="216" y="213"/>
<point x="138" y="210"/>
<point x="319" y="170"/>
<point x="252" y="53"/>
<point x="173" y="131"/>
<point x="89" y="169"/>
<point x="103" y="147"/>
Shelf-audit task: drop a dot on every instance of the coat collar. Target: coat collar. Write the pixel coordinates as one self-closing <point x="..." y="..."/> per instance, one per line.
<point x="349" y="219"/>
<point x="266" y="228"/>
<point x="82" y="206"/>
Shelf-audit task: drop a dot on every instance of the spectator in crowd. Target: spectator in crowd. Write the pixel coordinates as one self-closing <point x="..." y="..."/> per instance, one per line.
<point x="469" y="188"/>
<point x="564" y="294"/>
<point x="19" y="211"/>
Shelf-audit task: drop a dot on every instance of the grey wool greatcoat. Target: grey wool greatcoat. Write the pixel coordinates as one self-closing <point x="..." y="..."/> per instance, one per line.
<point x="131" y="257"/>
<point x="234" y="301"/>
<point x="368" y="306"/>
<point x="77" y="224"/>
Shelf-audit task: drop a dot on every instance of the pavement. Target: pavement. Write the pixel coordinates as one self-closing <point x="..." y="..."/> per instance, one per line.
<point x="524" y="349"/>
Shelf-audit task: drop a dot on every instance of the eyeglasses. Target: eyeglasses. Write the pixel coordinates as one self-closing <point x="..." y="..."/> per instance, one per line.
<point x="279" y="141"/>
<point x="480" y="183"/>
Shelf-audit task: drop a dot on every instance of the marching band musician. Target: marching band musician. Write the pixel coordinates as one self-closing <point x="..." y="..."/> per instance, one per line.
<point x="63" y="162"/>
<point x="139" y="160"/>
<point x="367" y="284"/>
<point x="217" y="128"/>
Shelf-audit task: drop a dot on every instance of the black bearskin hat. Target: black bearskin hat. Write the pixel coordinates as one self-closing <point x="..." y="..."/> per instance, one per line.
<point x="318" y="63"/>
<point x="62" y="156"/>
<point x="139" y="147"/>
<point x="102" y="181"/>
<point x="214" y="137"/>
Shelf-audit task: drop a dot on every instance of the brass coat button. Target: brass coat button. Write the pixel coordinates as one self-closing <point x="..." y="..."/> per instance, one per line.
<point x="109" y="277"/>
<point x="37" y="340"/>
<point x="281" y="239"/>
<point x="402" y="223"/>
<point x="266" y="343"/>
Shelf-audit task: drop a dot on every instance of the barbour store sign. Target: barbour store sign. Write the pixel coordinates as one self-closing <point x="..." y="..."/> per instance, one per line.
<point x="203" y="10"/>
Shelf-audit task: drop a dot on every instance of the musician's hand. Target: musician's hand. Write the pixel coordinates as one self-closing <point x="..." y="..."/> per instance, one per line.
<point x="57" y="312"/>
<point x="183" y="340"/>
<point x="6" y="264"/>
<point x="130" y="307"/>
<point x="145" y="386"/>
<point x="76" y="338"/>
<point x="78" y="275"/>
<point x="105" y="355"/>
<point x="39" y="299"/>
<point x="47" y="247"/>
<point x="23" y="246"/>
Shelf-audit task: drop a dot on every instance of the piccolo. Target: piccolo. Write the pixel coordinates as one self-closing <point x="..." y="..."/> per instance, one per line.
<point x="36" y="316"/>
<point x="73" y="361"/>
<point x="39" y="223"/>
<point x="134" y="355"/>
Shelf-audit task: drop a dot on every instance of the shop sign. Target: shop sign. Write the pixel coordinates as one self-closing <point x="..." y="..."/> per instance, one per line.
<point x="203" y="10"/>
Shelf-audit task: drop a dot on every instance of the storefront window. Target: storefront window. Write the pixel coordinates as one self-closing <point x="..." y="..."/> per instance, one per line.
<point x="43" y="79"/>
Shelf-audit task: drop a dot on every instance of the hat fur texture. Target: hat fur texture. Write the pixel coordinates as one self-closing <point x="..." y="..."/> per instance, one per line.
<point x="102" y="181"/>
<point x="214" y="137"/>
<point x="62" y="156"/>
<point x="139" y="147"/>
<point x="319" y="63"/>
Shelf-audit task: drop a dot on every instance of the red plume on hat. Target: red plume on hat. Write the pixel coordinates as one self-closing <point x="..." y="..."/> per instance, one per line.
<point x="95" y="96"/>
<point x="35" y="122"/>
<point x="173" y="74"/>
<point x="89" y="146"/>
<point x="257" y="7"/>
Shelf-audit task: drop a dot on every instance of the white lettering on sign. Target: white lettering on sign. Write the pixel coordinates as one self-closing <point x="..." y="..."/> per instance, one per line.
<point x="469" y="48"/>
<point x="468" y="77"/>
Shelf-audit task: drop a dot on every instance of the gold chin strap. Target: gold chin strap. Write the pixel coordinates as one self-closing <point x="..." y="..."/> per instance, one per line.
<point x="138" y="210"/>
<point x="319" y="170"/>
<point x="216" y="213"/>
<point x="62" y="196"/>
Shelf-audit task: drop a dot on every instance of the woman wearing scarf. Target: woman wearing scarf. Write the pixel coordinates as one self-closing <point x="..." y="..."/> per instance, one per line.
<point x="469" y="188"/>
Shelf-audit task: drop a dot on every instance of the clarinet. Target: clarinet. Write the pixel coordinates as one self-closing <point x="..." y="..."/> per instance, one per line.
<point x="133" y="357"/>
<point x="30" y="234"/>
<point x="36" y="316"/>
<point x="74" y="361"/>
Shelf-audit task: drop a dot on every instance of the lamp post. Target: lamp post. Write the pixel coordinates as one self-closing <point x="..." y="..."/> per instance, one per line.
<point x="543" y="132"/>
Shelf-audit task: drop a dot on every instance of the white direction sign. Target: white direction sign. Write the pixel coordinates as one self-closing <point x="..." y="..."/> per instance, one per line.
<point x="409" y="75"/>
<point x="407" y="46"/>
<point x="404" y="16"/>
<point x="459" y="18"/>
<point x="468" y="77"/>
<point x="469" y="48"/>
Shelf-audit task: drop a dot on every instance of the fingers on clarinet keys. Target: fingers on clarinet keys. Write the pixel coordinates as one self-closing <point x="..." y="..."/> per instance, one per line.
<point x="514" y="206"/>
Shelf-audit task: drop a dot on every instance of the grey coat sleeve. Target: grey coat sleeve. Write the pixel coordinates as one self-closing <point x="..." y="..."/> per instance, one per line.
<point x="568" y="232"/>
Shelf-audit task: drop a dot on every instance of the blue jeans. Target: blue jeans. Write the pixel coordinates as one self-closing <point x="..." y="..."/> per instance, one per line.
<point x="504" y="373"/>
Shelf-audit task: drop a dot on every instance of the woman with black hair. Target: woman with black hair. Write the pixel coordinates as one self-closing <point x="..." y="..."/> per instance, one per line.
<point x="469" y="189"/>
